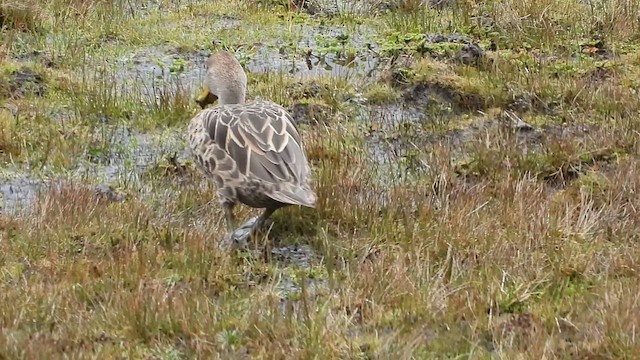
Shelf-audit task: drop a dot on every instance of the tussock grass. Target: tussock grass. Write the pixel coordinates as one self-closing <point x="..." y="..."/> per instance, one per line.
<point x="482" y="240"/>
<point x="19" y="15"/>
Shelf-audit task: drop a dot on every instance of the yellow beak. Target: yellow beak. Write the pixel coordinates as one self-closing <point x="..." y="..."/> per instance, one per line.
<point x="206" y="98"/>
<point x="203" y="95"/>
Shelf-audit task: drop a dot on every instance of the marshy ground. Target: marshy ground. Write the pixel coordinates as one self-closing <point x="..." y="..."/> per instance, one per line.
<point x="476" y="164"/>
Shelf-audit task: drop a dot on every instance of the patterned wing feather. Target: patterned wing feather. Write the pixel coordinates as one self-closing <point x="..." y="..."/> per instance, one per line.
<point x="265" y="145"/>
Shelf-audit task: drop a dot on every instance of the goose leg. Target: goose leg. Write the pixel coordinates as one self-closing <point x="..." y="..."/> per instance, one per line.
<point x="260" y="221"/>
<point x="235" y="238"/>
<point x="230" y="219"/>
<point x="239" y="237"/>
<point x="262" y="218"/>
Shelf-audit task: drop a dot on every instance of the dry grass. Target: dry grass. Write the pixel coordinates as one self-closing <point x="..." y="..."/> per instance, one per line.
<point x="19" y="15"/>
<point x="478" y="241"/>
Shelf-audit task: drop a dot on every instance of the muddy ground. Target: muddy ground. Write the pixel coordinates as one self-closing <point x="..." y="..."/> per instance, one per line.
<point x="475" y="166"/>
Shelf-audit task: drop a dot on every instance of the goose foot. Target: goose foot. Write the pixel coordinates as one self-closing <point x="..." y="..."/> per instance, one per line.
<point x="239" y="238"/>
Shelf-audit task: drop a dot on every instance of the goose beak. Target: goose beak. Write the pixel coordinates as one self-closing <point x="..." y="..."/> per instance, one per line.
<point x="206" y="98"/>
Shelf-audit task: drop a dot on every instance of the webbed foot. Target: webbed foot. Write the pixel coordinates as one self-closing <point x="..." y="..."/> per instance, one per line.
<point x="239" y="238"/>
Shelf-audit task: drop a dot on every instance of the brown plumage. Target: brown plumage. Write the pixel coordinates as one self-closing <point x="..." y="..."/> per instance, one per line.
<point x="252" y="152"/>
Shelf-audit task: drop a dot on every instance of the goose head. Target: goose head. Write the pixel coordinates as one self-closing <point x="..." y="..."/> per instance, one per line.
<point x="225" y="81"/>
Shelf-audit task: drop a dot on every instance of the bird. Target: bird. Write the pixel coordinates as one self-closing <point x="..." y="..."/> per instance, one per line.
<point x="251" y="151"/>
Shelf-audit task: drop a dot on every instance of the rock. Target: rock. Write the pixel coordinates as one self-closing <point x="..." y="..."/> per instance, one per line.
<point x="109" y="193"/>
<point x="309" y="113"/>
<point x="308" y="6"/>
<point x="470" y="54"/>
<point x="441" y="4"/>
<point x="300" y="255"/>
<point x="522" y="103"/>
<point x="25" y="81"/>
<point x="518" y="123"/>
<point x="304" y="90"/>
<point x="451" y="38"/>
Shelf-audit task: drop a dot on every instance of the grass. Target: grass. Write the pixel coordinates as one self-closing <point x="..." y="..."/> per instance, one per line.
<point x="441" y="231"/>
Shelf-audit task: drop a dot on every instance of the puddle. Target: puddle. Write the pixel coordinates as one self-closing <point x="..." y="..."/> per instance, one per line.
<point x="127" y="155"/>
<point x="401" y="138"/>
<point x="287" y="287"/>
<point x="393" y="135"/>
<point x="155" y="72"/>
<point x="299" y="255"/>
<point x="17" y="192"/>
<point x="336" y="7"/>
<point x="399" y="134"/>
<point x="153" y="66"/>
<point x="318" y="51"/>
<point x="142" y="8"/>
<point x="152" y="72"/>
<point x="122" y="155"/>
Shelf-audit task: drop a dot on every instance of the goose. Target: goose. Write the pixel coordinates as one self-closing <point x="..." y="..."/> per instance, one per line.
<point x="251" y="151"/>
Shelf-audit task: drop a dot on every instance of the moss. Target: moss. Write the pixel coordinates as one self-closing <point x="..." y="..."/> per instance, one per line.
<point x="380" y="94"/>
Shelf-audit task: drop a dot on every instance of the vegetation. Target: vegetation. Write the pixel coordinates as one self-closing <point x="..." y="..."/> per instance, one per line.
<point x="476" y="164"/>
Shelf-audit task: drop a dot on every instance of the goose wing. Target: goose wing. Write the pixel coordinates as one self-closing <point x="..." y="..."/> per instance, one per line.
<point x="265" y="144"/>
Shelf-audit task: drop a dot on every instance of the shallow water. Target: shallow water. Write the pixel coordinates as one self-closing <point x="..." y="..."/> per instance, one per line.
<point x="306" y="58"/>
<point x="150" y="72"/>
<point x="130" y="154"/>
<point x="18" y="190"/>
<point x="127" y="156"/>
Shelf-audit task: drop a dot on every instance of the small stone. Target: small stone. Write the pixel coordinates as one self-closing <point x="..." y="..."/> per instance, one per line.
<point x="441" y="4"/>
<point x="308" y="113"/>
<point x="518" y="123"/>
<point x="25" y="81"/>
<point x="438" y="38"/>
<point x="470" y="54"/>
<point x="109" y="193"/>
<point x="451" y="38"/>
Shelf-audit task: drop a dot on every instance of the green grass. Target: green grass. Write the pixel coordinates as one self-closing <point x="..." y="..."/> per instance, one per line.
<point x="473" y="239"/>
